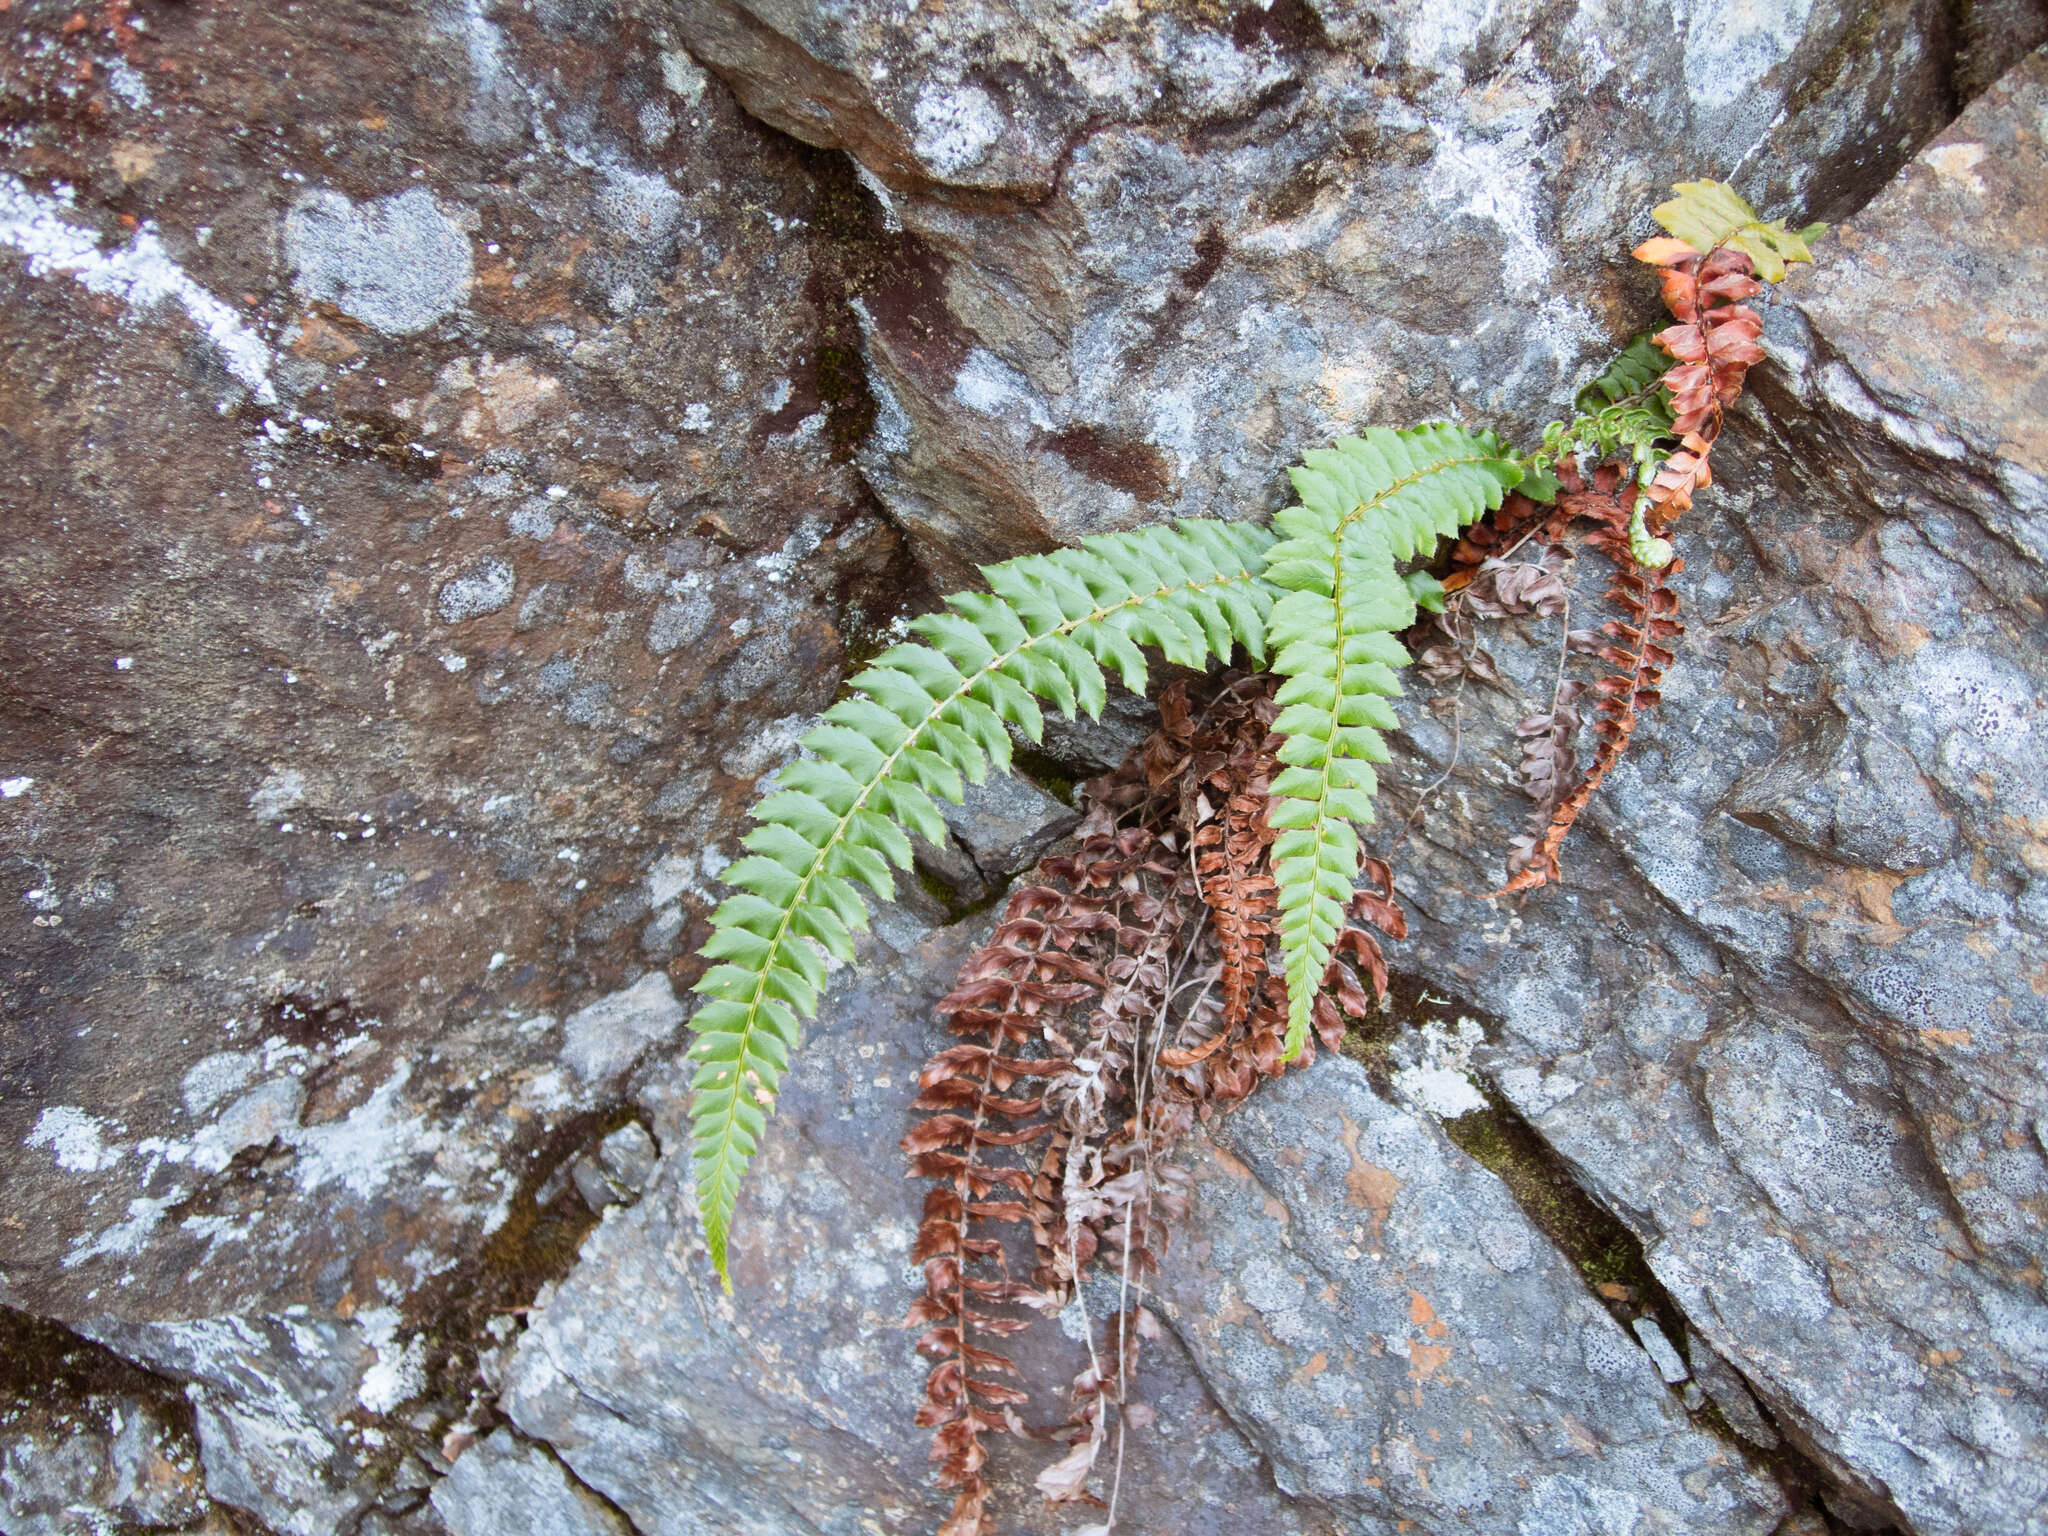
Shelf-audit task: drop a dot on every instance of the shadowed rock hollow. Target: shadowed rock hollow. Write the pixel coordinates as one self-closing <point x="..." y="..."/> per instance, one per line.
<point x="448" y="453"/>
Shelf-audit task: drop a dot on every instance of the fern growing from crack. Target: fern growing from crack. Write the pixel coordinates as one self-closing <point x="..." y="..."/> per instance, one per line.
<point x="1329" y="594"/>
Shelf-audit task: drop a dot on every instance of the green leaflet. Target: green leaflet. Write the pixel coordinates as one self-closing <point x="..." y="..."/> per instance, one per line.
<point x="1365" y="505"/>
<point x="923" y="720"/>
<point x="1634" y="373"/>
<point x="1710" y="213"/>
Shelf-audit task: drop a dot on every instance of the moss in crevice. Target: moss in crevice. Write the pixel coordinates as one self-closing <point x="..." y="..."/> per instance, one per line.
<point x="536" y="1245"/>
<point x="1041" y="769"/>
<point x="42" y="1362"/>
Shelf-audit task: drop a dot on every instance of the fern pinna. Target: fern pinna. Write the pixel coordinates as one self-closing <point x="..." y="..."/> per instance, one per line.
<point x="1328" y="592"/>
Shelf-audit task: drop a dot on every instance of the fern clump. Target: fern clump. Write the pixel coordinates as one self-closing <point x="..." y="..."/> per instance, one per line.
<point x="1330" y="590"/>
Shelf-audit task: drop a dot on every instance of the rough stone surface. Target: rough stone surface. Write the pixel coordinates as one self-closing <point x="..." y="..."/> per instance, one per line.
<point x="799" y="1391"/>
<point x="1786" y="1014"/>
<point x="1161" y="250"/>
<point x="67" y="1471"/>
<point x="504" y="1484"/>
<point x="1375" y="1311"/>
<point x="449" y="455"/>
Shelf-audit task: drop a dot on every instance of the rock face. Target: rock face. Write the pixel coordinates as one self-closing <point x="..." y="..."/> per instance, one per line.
<point x="1787" y="1016"/>
<point x="1161" y="249"/>
<point x="450" y="454"/>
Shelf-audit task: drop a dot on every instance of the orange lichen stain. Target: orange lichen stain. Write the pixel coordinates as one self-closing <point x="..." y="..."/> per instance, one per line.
<point x="1230" y="1164"/>
<point x="1424" y="1361"/>
<point x="1366" y="1186"/>
<point x="1316" y="1364"/>
<point x="1699" y="1217"/>
<point x="618" y="500"/>
<point x="375" y="122"/>
<point x="1945" y="1036"/>
<point x="1943" y="1356"/>
<point x="322" y="340"/>
<point x="1423" y="1315"/>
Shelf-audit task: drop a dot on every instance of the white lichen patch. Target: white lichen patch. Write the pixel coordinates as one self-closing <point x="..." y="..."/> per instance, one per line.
<point x="956" y="127"/>
<point x="139" y="272"/>
<point x="282" y="790"/>
<point x="1497" y="180"/>
<point x="74" y="1138"/>
<point x="1957" y="164"/>
<point x="399" y="1372"/>
<point x="1730" y="45"/>
<point x="1440" y="1080"/>
<point x="602" y="1040"/>
<point x="212" y="1078"/>
<point x="990" y="386"/>
<point x="397" y="264"/>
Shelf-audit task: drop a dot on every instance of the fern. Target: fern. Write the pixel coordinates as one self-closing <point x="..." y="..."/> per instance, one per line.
<point x="1328" y="595"/>
<point x="920" y="719"/>
<point x="1365" y="504"/>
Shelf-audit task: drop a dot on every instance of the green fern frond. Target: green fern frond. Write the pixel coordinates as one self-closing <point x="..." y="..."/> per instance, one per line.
<point x="1625" y="410"/>
<point x="1634" y="375"/>
<point x="921" y="719"/>
<point x="1365" y="505"/>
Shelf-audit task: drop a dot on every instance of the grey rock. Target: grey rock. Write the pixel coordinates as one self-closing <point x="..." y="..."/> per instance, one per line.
<point x="503" y="1484"/>
<point x="678" y="623"/>
<point x="1339" y="1297"/>
<point x="618" y="1172"/>
<point x="109" y="1458"/>
<point x="1222" y="264"/>
<point x="590" y="1181"/>
<point x="258" y="1118"/>
<point x="1778" y="1017"/>
<point x="1006" y="823"/>
<point x="1669" y="1364"/>
<point x="397" y="263"/>
<point x="787" y="1408"/>
<point x="291" y="1056"/>
<point x="602" y="1040"/>
<point x="269" y="1396"/>
<point x="1730" y="1395"/>
<point x="628" y="1156"/>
